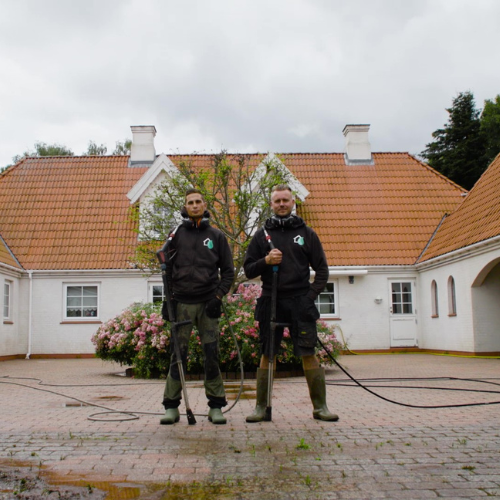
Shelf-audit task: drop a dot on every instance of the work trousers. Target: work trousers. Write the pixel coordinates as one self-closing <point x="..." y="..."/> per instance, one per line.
<point x="208" y="329"/>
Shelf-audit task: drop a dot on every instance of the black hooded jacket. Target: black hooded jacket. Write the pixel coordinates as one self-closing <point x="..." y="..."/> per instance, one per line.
<point x="195" y="257"/>
<point x="301" y="249"/>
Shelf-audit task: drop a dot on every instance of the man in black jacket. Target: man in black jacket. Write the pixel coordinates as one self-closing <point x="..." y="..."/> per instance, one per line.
<point x="296" y="248"/>
<point x="196" y="255"/>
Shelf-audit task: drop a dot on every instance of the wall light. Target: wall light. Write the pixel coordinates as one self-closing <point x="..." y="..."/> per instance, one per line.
<point x="378" y="300"/>
<point x="351" y="280"/>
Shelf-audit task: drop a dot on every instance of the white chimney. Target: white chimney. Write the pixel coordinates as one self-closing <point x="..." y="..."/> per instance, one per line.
<point x="142" y="152"/>
<point x="357" y="150"/>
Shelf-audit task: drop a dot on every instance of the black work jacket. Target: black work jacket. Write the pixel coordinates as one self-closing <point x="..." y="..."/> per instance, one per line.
<point x="301" y="250"/>
<point x="196" y="255"/>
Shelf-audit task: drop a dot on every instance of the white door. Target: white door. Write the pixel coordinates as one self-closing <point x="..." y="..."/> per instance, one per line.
<point x="403" y="313"/>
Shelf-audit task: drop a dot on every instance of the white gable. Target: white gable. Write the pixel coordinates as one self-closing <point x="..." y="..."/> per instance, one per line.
<point x="161" y="167"/>
<point x="295" y="184"/>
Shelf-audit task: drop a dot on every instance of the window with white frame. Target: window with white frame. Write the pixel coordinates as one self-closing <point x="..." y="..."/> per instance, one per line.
<point x="434" y="299"/>
<point x="325" y="302"/>
<point x="157" y="294"/>
<point x="7" y="300"/>
<point x="452" y="299"/>
<point x="81" y="301"/>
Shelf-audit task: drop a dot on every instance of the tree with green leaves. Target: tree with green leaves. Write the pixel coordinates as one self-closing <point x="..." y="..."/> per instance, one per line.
<point x="490" y="127"/>
<point x="43" y="149"/>
<point x="458" y="149"/>
<point x="123" y="148"/>
<point x="95" y="150"/>
<point x="236" y="188"/>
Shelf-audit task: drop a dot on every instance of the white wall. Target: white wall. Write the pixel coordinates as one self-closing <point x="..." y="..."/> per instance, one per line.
<point x="52" y="334"/>
<point x="456" y="333"/>
<point x="365" y="323"/>
<point x="11" y="338"/>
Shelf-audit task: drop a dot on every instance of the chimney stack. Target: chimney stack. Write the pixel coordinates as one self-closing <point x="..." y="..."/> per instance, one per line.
<point x="357" y="146"/>
<point x="142" y="152"/>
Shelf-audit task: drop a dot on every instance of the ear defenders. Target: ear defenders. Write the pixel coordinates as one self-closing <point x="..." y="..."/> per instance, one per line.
<point x="189" y="223"/>
<point x="285" y="222"/>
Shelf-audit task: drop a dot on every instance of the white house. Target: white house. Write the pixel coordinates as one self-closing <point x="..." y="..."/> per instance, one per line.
<point x="459" y="274"/>
<point x="402" y="275"/>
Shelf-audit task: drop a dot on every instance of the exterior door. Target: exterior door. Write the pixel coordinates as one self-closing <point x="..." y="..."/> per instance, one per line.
<point x="403" y="313"/>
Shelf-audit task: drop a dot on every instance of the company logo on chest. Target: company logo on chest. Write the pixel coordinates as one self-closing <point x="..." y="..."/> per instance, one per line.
<point x="299" y="240"/>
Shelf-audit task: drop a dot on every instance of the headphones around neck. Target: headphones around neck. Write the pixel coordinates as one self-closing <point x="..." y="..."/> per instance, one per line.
<point x="285" y="222"/>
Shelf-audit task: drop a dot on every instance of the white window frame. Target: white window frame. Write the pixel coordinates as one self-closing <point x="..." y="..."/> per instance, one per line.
<point x="324" y="293"/>
<point x="7" y="300"/>
<point x="152" y="285"/>
<point x="402" y="300"/>
<point x="65" y="301"/>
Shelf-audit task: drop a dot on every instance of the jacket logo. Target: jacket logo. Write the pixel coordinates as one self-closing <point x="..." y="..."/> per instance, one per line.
<point x="208" y="243"/>
<point x="299" y="240"/>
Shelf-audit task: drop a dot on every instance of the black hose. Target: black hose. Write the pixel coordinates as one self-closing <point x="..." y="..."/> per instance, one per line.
<point x="397" y="402"/>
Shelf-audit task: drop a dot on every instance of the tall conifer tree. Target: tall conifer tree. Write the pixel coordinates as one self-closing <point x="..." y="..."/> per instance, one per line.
<point x="458" y="149"/>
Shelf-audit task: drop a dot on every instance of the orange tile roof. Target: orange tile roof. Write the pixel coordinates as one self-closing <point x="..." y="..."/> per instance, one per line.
<point x="72" y="212"/>
<point x="476" y="219"/>
<point x="381" y="214"/>
<point x="69" y="212"/>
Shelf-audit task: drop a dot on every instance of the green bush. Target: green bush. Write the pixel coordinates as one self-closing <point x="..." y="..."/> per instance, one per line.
<point x="139" y="337"/>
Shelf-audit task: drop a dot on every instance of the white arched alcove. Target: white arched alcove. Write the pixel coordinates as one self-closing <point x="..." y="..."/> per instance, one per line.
<point x="485" y="295"/>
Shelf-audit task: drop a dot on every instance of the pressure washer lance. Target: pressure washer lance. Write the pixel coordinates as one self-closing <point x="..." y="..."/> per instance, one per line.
<point x="274" y="305"/>
<point x="162" y="257"/>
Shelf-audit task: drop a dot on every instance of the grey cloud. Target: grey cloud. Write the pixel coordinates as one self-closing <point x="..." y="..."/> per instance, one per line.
<point x="285" y="75"/>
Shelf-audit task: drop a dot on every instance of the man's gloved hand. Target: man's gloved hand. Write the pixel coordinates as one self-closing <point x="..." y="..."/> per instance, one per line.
<point x="164" y="310"/>
<point x="213" y="308"/>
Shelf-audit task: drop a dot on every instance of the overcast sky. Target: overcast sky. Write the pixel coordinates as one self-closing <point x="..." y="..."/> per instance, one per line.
<point x="243" y="75"/>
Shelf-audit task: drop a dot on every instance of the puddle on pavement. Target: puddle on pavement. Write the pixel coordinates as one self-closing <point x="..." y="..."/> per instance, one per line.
<point x="247" y="392"/>
<point x="24" y="472"/>
<point x="165" y="491"/>
<point x="232" y="389"/>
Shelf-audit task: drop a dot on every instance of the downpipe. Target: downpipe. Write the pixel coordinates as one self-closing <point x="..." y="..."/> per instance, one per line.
<point x="30" y="314"/>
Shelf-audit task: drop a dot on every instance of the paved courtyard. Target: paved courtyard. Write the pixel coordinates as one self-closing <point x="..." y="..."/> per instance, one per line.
<point x="378" y="449"/>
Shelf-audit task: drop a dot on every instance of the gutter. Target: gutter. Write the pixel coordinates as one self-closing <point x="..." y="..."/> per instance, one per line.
<point x="474" y="248"/>
<point x="30" y="314"/>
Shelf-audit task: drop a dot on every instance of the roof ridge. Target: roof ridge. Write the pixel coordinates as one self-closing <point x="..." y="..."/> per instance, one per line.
<point x="439" y="174"/>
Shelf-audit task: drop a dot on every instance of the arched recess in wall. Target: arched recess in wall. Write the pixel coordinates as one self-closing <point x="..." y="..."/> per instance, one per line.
<point x="434" y="299"/>
<point x="481" y="276"/>
<point x="452" y="297"/>
<point x="485" y="297"/>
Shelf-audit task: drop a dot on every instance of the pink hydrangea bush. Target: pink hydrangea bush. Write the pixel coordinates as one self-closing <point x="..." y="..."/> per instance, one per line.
<point x="137" y="337"/>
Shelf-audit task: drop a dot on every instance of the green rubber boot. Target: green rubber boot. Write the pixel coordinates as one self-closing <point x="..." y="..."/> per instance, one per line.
<point x="173" y="391"/>
<point x="216" y="417"/>
<point x="259" y="413"/>
<point x="171" y="416"/>
<point x="317" y="390"/>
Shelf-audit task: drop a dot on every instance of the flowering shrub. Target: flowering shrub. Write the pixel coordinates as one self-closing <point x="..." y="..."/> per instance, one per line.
<point x="139" y="337"/>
